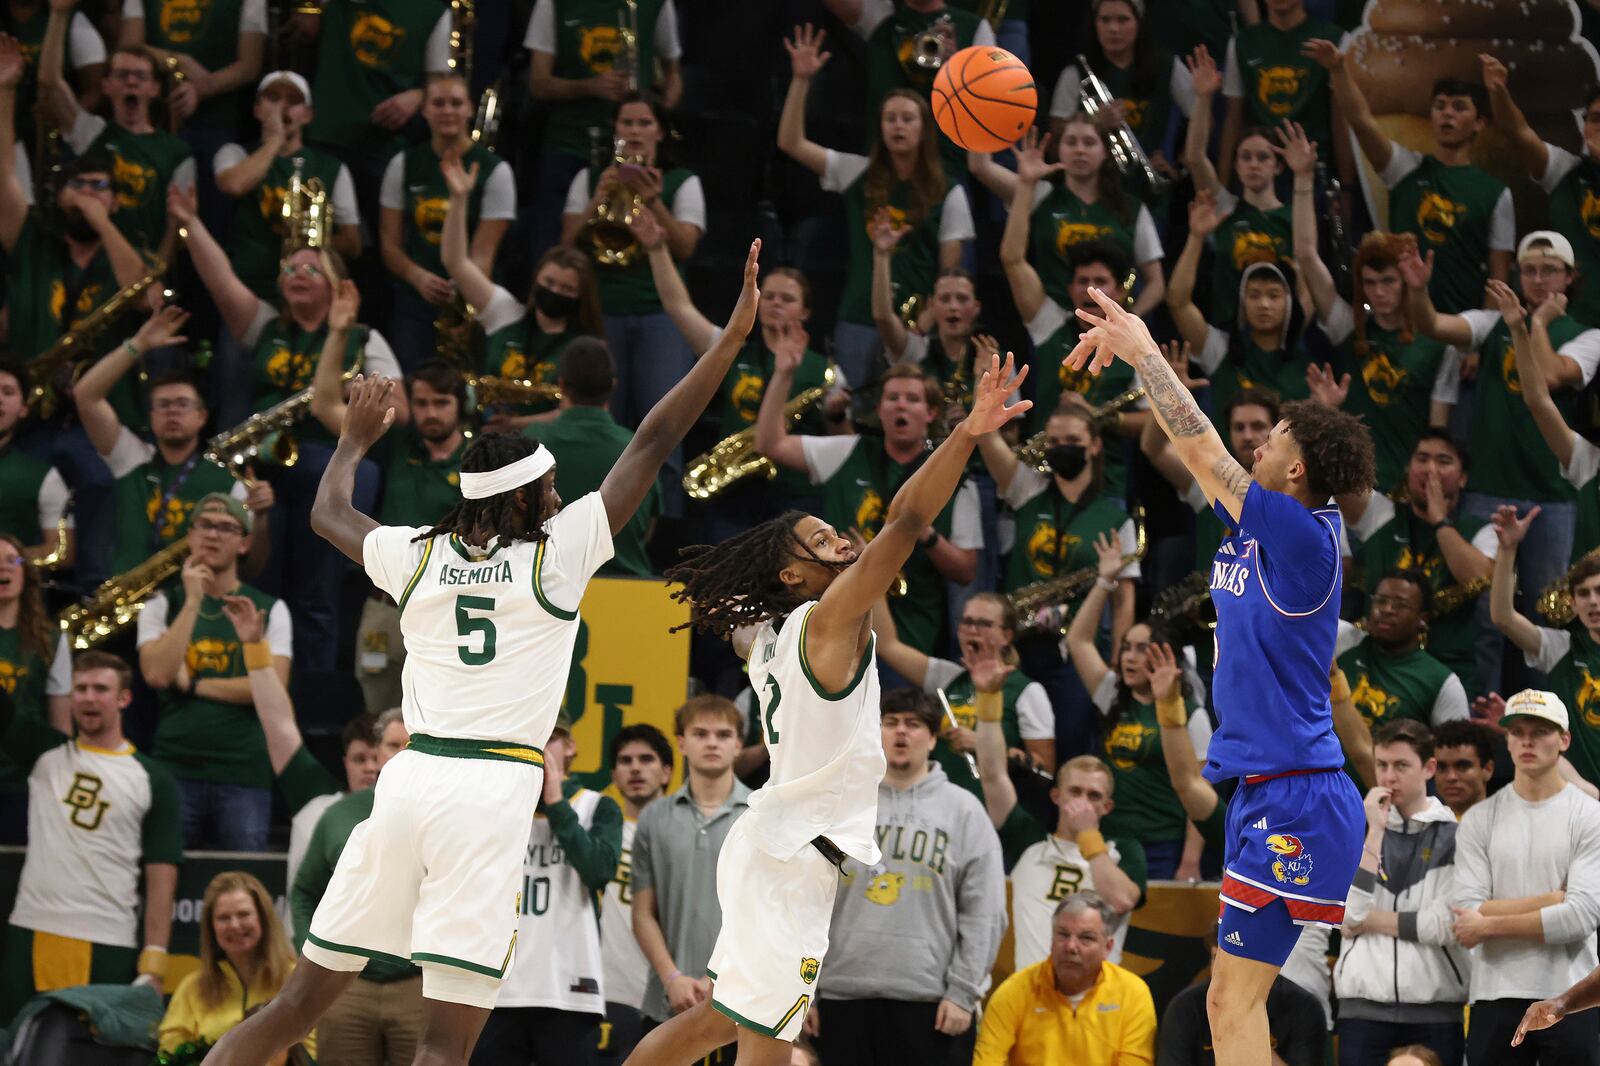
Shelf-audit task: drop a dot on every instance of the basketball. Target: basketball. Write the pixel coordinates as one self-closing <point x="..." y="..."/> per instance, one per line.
<point x="984" y="98"/>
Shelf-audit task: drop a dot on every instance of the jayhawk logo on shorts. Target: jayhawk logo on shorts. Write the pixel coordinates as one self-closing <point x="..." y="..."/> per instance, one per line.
<point x="206" y="656"/>
<point x="1589" y="211"/>
<point x="1069" y="233"/>
<point x="1278" y="89"/>
<point x="885" y="888"/>
<point x="427" y="214"/>
<point x="1374" y="704"/>
<point x="1437" y="215"/>
<point x="374" y="39"/>
<point x="184" y="20"/>
<point x="1293" y="865"/>
<point x="1252" y="246"/>
<point x="11" y="675"/>
<point x="745" y="396"/>
<point x="1588" y="698"/>
<point x="599" y="46"/>
<point x="1382" y="378"/>
<point x="809" y="968"/>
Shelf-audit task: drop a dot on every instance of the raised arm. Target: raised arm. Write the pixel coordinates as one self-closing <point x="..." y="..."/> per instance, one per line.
<point x="1026" y="288"/>
<point x="1503" y="586"/>
<point x="1300" y="153"/>
<point x="1558" y="436"/>
<point x="1447" y="329"/>
<point x="1086" y="658"/>
<point x="1207" y="83"/>
<point x="1001" y="462"/>
<point x="992" y="176"/>
<point x="885" y="239"/>
<point x="473" y="282"/>
<point x="1350" y="103"/>
<point x="1531" y="149"/>
<point x="773" y="439"/>
<point x="1560" y="371"/>
<point x="234" y="300"/>
<point x="368" y="415"/>
<point x="13" y="207"/>
<point x="1186" y="316"/>
<point x="902" y="658"/>
<point x="1153" y="439"/>
<point x="242" y="178"/>
<point x="99" y="418"/>
<point x="1354" y="735"/>
<point x="989" y="674"/>
<point x="663" y="428"/>
<point x="805" y="59"/>
<point x="327" y="393"/>
<point x="1198" y="797"/>
<point x="268" y="694"/>
<point x="55" y="95"/>
<point x="674" y="294"/>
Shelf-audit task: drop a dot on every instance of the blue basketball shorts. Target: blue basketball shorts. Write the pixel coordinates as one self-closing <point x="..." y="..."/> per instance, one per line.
<point x="1293" y="845"/>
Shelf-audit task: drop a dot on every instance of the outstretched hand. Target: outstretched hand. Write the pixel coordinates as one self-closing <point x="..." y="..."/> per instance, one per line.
<point x="1540" y="1015"/>
<point x="460" y="181"/>
<point x="369" y="412"/>
<point x="744" y="312"/>
<point x="1508" y="528"/>
<point x="1119" y="334"/>
<point x="249" y="621"/>
<point x="989" y="408"/>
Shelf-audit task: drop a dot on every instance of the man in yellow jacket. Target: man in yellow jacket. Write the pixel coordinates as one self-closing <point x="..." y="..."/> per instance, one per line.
<point x="1074" y="1006"/>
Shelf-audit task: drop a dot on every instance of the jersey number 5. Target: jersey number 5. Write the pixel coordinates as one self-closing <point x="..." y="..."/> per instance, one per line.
<point x="775" y="694"/>
<point x="466" y="626"/>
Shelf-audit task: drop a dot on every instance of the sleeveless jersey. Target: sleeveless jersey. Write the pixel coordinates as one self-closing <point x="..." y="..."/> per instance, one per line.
<point x="557" y="908"/>
<point x="826" y="748"/>
<point x="623" y="961"/>
<point x="489" y="633"/>
<point x="1274" y="640"/>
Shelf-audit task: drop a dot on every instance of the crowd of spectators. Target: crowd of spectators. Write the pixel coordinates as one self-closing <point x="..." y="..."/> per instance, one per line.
<point x="533" y="212"/>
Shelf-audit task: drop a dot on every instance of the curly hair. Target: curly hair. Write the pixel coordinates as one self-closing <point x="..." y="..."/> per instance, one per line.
<point x="736" y="583"/>
<point x="1336" y="446"/>
<point x="499" y="515"/>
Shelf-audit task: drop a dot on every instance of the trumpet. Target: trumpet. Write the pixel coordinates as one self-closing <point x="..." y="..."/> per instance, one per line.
<point x="1555" y="600"/>
<point x="628" y="42"/>
<point x="463" y="21"/>
<point x="48" y="369"/>
<point x="485" y="389"/>
<point x="306" y="215"/>
<point x="931" y="47"/>
<point x="1031" y="451"/>
<point x="610" y="227"/>
<point x="1062" y="590"/>
<point x="1126" y="151"/>
<point x="118" y="601"/>
<point x="734" y="458"/>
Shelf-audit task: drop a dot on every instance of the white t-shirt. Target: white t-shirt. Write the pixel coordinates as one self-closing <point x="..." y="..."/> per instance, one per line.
<point x="279" y="635"/>
<point x="85" y="47"/>
<point x="1584" y="465"/>
<point x="1035" y="718"/>
<point x="844" y="169"/>
<point x="873" y="12"/>
<point x="436" y="53"/>
<point x="1146" y="238"/>
<point x="1027" y="483"/>
<point x="346" y="212"/>
<point x="131" y="452"/>
<point x="499" y="190"/>
<point x="623" y="961"/>
<point x="1561" y="163"/>
<point x="1381" y="511"/>
<point x="377" y="357"/>
<point x="1502" y="222"/>
<point x="502" y="310"/>
<point x="87" y="127"/>
<point x="1449" y="703"/>
<point x="825" y="455"/>
<point x="1068" y="98"/>
<point x="1584" y="349"/>
<point x="541" y="35"/>
<point x="252" y="14"/>
<point x="53" y="498"/>
<point x="1341" y="323"/>
<point x="1047" y="872"/>
<point x="688" y="203"/>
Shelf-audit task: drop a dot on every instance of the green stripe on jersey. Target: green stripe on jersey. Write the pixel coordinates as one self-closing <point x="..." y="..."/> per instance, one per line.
<point x="427" y="553"/>
<point x="816" y="686"/>
<point x="465" y="748"/>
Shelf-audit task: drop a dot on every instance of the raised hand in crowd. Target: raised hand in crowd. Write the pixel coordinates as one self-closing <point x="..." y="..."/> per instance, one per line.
<point x="1510" y="530"/>
<point x="1504" y="299"/>
<point x="249" y="621"/>
<point x="162" y="329"/>
<point x="1493" y="72"/>
<point x="1324" y="53"/>
<point x="1203" y="218"/>
<point x="806" y="56"/>
<point x="1179" y="355"/>
<point x="1166" y="671"/>
<point x="1031" y="164"/>
<point x="1489" y="710"/>
<point x="182" y="203"/>
<point x="1298" y="152"/>
<point x="885" y="233"/>
<point x="645" y="227"/>
<point x="1326" y="389"/>
<point x="346" y="307"/>
<point x="1204" y="71"/>
<point x="458" y="179"/>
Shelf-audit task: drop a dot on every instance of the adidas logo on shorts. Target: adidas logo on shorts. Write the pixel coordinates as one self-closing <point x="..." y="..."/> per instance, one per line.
<point x="1235" y="939"/>
<point x="1262" y="824"/>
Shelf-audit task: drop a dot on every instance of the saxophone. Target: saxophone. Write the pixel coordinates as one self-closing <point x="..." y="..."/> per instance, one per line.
<point x="628" y="42"/>
<point x="265" y="434"/>
<point x="734" y="457"/>
<point x="1031" y="451"/>
<point x="1063" y="589"/>
<point x="485" y="389"/>
<point x="118" y="601"/>
<point x="1187" y="603"/>
<point x="48" y="371"/>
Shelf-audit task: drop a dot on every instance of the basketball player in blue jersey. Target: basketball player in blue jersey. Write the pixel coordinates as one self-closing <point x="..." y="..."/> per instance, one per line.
<point x="1295" y="824"/>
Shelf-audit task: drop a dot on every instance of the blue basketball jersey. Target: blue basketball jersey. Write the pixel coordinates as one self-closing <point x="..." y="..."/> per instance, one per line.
<point x="1275" y="581"/>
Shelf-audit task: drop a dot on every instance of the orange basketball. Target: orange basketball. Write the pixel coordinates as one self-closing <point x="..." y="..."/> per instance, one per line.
<point x="984" y="98"/>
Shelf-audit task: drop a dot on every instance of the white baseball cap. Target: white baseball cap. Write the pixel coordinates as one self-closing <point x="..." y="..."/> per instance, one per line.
<point x="1554" y="245"/>
<point x="1537" y="703"/>
<point x="289" y="76"/>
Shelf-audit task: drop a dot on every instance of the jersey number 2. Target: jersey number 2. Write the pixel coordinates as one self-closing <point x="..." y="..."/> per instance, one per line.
<point x="776" y="694"/>
<point x="466" y="626"/>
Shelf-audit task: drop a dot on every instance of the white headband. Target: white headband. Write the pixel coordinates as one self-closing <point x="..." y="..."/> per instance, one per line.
<point x="528" y="469"/>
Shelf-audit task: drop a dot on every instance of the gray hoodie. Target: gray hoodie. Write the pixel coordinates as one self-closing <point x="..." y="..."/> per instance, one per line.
<point x="926" y="922"/>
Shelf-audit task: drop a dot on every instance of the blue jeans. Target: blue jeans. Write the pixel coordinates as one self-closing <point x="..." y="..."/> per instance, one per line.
<point x="556" y="171"/>
<point x="226" y="817"/>
<point x="204" y="141"/>
<point x="854" y="348"/>
<point x="304" y="570"/>
<point x="1367" y="1043"/>
<point x="410" y="331"/>
<point x="1077" y="718"/>
<point x="1542" y="558"/>
<point x="1161" y="859"/>
<point x="651" y="356"/>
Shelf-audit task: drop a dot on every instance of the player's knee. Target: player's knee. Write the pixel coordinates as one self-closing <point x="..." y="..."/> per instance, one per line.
<point x="1227" y="1001"/>
<point x="712" y="1024"/>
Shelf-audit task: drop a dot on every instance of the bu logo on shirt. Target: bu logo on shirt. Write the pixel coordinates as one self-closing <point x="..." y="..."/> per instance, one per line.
<point x="1292" y="863"/>
<point x="88" y="809"/>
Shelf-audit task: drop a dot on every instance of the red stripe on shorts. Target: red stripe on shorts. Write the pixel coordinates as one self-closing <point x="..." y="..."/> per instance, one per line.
<point x="1248" y="894"/>
<point x="1303" y="911"/>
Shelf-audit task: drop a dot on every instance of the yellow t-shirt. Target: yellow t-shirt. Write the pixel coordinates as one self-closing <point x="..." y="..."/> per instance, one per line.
<point x="187" y="1019"/>
<point x="1027" y="1021"/>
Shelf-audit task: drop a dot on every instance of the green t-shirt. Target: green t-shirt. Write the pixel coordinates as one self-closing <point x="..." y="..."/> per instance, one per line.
<point x="912" y="267"/>
<point x="303" y="779"/>
<point x="1387" y="687"/>
<point x="1053" y="379"/>
<point x="521" y="351"/>
<point x="858" y="495"/>
<point x="209" y="31"/>
<point x="1181" y="25"/>
<point x="1061" y="220"/>
<point x="204" y="740"/>
<point x="1247" y="366"/>
<point x="427" y="200"/>
<point x="631" y="289"/>
<point x="587" y="44"/>
<point x="963" y="697"/>
<point x="890" y="65"/>
<point x="255" y="227"/>
<point x="285" y="362"/>
<point x="142" y="164"/>
<point x="586" y="443"/>
<point x="1573" y="677"/>
<point x="1450" y="210"/>
<point x="22" y="677"/>
<point x="1391" y="388"/>
<point x="47" y="293"/>
<point x="1575" y="213"/>
<point x="1280" y="82"/>
<point x="1519" y="465"/>
<point x="739" y="400"/>
<point x="21" y="476"/>
<point x="1406" y="542"/>
<point x="1146" y="806"/>
<point x="1248" y="235"/>
<point x="418" y="490"/>
<point x="368" y="51"/>
<point x="157" y="490"/>
<point x="1056" y="536"/>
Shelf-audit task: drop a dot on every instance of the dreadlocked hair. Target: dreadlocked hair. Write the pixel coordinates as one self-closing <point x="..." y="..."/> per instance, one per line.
<point x="496" y="515"/>
<point x="736" y="583"/>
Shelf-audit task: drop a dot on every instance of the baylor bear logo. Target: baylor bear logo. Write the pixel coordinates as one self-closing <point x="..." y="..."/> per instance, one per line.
<point x="1588" y="699"/>
<point x="1278" y="88"/>
<point x="1374" y="704"/>
<point x="1044" y="549"/>
<point x="1382" y="378"/>
<point x="374" y="39"/>
<point x="885" y="888"/>
<point x="808" y="969"/>
<point x="132" y="181"/>
<point x="428" y="217"/>
<point x="746" y="395"/>
<point x="1071" y="233"/>
<point x="88" y="300"/>
<point x="1508" y="369"/>
<point x="1126" y="745"/>
<point x="209" y="656"/>
<point x="1078" y="381"/>
<point x="869" y="513"/>
<point x="289" y="370"/>
<point x="1437" y="215"/>
<point x="1589" y="211"/>
<point x="1253" y="246"/>
<point x="176" y="518"/>
<point x="182" y="21"/>
<point x="600" y="47"/>
<point x="11" y="675"/>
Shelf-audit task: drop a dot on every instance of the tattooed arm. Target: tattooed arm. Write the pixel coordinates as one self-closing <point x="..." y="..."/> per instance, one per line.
<point x="1121" y="335"/>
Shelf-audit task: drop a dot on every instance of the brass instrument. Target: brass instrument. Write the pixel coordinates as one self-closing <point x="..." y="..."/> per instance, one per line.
<point x="264" y="435"/>
<point x="1452" y="597"/>
<point x="911" y="309"/>
<point x="1188" y="602"/>
<point x="46" y="563"/>
<point x="1031" y="451"/>
<point x="485" y="389"/>
<point x="118" y="601"/>
<point x="178" y="77"/>
<point x="610" y="227"/>
<point x="1063" y="589"/>
<point x="463" y="21"/>
<point x="931" y="47"/>
<point x="486" y="121"/>
<point x="48" y="371"/>
<point x="628" y="43"/>
<point x="734" y="457"/>
<point x="307" y="214"/>
<point x="993" y="12"/>
<point x="1555" y="600"/>
<point x="452" y="330"/>
<point x="1126" y="151"/>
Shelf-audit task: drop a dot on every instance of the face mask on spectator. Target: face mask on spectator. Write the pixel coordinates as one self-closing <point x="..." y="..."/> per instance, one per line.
<point x="554" y="303"/>
<point x="1067" y="460"/>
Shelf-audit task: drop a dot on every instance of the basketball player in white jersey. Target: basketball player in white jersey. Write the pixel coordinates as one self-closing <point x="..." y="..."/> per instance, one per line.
<point x="796" y="600"/>
<point x="488" y="604"/>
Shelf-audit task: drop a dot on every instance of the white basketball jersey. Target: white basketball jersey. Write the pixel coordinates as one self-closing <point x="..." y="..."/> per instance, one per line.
<point x="625" y="966"/>
<point x="489" y="632"/>
<point x="1047" y="873"/>
<point x="557" y="961"/>
<point x="826" y="749"/>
